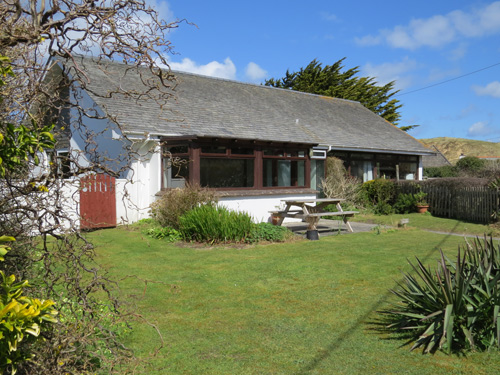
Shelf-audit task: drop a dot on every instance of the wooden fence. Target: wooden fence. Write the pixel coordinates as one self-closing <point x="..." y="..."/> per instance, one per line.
<point x="477" y="204"/>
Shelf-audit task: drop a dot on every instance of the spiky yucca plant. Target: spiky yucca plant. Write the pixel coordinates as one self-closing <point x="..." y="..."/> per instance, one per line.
<point x="454" y="307"/>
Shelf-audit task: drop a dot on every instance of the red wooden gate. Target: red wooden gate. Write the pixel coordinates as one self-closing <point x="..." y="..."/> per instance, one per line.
<point x="97" y="201"/>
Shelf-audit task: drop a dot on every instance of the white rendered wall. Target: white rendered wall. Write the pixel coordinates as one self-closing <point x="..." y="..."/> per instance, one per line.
<point x="258" y="207"/>
<point x="135" y="194"/>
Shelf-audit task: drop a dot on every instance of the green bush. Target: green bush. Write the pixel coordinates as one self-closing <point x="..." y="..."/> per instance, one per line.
<point x="405" y="204"/>
<point x="470" y="164"/>
<point x="444" y="171"/>
<point x="380" y="190"/>
<point x="176" y="202"/>
<point x="268" y="232"/>
<point x="380" y="195"/>
<point x="22" y="319"/>
<point x="215" y="224"/>
<point x="455" y="307"/>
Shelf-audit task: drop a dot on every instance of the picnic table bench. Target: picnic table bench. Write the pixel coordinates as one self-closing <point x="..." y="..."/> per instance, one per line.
<point x="311" y="210"/>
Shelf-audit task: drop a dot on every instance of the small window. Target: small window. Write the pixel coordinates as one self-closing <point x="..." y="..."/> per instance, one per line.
<point x="241" y="151"/>
<point x="183" y="149"/>
<point x="273" y="152"/>
<point x="213" y="149"/>
<point x="63" y="164"/>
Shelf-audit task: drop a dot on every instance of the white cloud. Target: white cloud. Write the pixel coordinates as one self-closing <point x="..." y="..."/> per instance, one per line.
<point x="439" y="30"/>
<point x="369" y="40"/>
<point x="481" y="129"/>
<point x="491" y="89"/>
<point x="458" y="53"/>
<point x="254" y="72"/>
<point x="327" y="16"/>
<point x="227" y="69"/>
<point x="387" y="72"/>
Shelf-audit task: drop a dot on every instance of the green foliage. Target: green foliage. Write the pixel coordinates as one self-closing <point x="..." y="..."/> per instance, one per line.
<point x="455" y="307"/>
<point x="215" y="224"/>
<point x="333" y="80"/>
<point x="164" y="233"/>
<point x="380" y="194"/>
<point x="420" y="198"/>
<point x="176" y="202"/>
<point x="4" y="249"/>
<point x="405" y="204"/>
<point x="22" y="319"/>
<point x="470" y="164"/>
<point x="444" y="171"/>
<point x="19" y="143"/>
<point x="268" y="232"/>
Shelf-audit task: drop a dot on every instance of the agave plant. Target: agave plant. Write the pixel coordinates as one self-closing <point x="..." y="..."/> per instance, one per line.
<point x="454" y="307"/>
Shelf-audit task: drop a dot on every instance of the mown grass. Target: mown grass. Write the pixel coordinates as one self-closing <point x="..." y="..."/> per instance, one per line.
<point x="306" y="307"/>
<point x="429" y="222"/>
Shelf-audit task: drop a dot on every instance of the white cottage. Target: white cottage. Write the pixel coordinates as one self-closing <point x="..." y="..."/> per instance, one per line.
<point x="255" y="144"/>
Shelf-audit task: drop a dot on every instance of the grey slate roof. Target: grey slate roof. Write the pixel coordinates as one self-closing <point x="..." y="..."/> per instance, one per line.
<point x="437" y="160"/>
<point x="205" y="106"/>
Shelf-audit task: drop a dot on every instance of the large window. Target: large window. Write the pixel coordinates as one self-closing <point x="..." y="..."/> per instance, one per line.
<point x="284" y="168"/>
<point x="235" y="165"/>
<point x="226" y="173"/>
<point x="367" y="166"/>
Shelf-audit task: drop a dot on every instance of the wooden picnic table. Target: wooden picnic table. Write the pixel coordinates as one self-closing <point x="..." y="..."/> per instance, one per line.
<point x="311" y="210"/>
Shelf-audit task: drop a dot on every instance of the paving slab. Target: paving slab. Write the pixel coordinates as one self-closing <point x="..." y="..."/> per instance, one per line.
<point x="328" y="227"/>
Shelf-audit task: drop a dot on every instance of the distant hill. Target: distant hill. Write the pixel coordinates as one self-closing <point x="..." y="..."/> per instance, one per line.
<point x="453" y="147"/>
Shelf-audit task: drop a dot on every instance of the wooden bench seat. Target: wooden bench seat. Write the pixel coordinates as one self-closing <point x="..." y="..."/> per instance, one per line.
<point x="336" y="213"/>
<point x="312" y="218"/>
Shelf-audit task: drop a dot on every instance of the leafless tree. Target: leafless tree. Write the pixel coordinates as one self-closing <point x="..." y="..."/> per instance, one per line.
<point x="59" y="260"/>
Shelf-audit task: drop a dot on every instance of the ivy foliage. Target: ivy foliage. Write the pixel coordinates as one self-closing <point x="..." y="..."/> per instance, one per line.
<point x="335" y="81"/>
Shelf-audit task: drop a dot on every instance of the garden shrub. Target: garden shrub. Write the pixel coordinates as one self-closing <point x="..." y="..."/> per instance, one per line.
<point x="22" y="319"/>
<point x="405" y="204"/>
<point x="176" y="202"/>
<point x="380" y="194"/>
<point x="269" y="232"/>
<point x="443" y="171"/>
<point x="454" y="307"/>
<point x="470" y="164"/>
<point x="339" y="184"/>
<point x="215" y="224"/>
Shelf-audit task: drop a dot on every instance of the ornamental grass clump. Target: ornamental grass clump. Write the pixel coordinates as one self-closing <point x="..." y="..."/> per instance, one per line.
<point x="215" y="224"/>
<point x="454" y="307"/>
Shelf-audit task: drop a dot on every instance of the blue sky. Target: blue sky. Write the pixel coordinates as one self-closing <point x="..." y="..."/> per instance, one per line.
<point x="417" y="44"/>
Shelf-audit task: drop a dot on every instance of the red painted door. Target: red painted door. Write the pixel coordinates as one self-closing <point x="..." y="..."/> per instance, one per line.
<point x="97" y="201"/>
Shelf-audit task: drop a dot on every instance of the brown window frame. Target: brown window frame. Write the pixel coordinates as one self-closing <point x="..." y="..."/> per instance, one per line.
<point x="195" y="154"/>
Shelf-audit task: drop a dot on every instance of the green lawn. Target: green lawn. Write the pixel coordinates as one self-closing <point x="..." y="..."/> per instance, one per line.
<point x="427" y="221"/>
<point x="306" y="307"/>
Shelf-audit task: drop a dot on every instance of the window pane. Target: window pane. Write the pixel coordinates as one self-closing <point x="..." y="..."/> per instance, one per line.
<point x="183" y="149"/>
<point x="241" y="151"/>
<point x="407" y="171"/>
<point x="212" y="149"/>
<point x="175" y="172"/>
<point x="226" y="173"/>
<point x="362" y="170"/>
<point x="273" y="152"/>
<point x="283" y="173"/>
